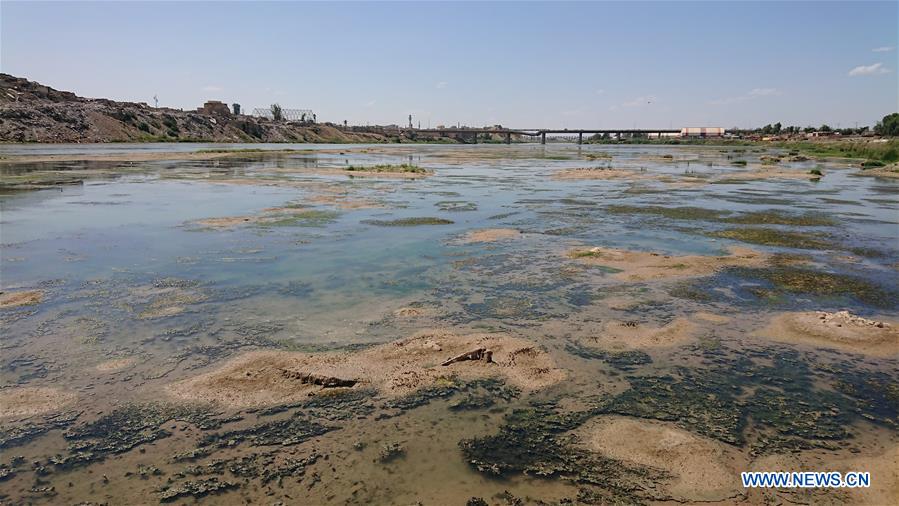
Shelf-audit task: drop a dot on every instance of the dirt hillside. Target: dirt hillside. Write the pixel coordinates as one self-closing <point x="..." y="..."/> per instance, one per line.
<point x="32" y="112"/>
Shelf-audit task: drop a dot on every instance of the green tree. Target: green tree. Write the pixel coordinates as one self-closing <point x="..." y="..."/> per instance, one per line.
<point x="777" y="127"/>
<point x="888" y="126"/>
<point x="277" y="112"/>
<point x="825" y="128"/>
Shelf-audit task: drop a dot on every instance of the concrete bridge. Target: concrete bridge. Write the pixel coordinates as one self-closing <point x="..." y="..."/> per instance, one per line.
<point x="471" y="134"/>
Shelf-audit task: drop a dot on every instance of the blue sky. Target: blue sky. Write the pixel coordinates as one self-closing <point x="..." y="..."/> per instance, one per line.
<point x="550" y="64"/>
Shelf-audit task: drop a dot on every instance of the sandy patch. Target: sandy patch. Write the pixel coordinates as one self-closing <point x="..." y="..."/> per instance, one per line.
<point x="711" y="317"/>
<point x="883" y="466"/>
<point x="635" y="335"/>
<point x="410" y="312"/>
<point x="600" y="173"/>
<point x="28" y="401"/>
<point x="891" y="170"/>
<point x="164" y="301"/>
<point x="116" y="364"/>
<point x="266" y="216"/>
<point x="490" y="235"/>
<point x="646" y="266"/>
<point x="23" y="298"/>
<point x="703" y="469"/>
<point x="394" y="369"/>
<point x="764" y="172"/>
<point x="344" y="202"/>
<point x="226" y="222"/>
<point x="840" y="330"/>
<point x="383" y="174"/>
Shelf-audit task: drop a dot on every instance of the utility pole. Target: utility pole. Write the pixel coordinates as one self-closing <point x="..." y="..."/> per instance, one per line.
<point x="156" y="102"/>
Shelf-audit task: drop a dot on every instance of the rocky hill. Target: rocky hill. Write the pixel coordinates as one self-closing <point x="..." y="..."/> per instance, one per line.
<point x="32" y="112"/>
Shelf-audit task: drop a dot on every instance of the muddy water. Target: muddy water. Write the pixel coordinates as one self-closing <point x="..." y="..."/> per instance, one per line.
<point x="137" y="292"/>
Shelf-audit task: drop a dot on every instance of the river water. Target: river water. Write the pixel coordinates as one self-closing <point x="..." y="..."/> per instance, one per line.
<point x="154" y="271"/>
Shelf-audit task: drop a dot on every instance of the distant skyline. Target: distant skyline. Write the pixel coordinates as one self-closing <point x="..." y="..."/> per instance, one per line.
<point x="525" y="65"/>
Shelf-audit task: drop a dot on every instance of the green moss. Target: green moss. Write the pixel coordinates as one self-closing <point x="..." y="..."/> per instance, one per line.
<point x="409" y="222"/>
<point x="456" y="205"/>
<point x="533" y="442"/>
<point x="774" y="237"/>
<point x="771" y="217"/>
<point x="780" y="218"/>
<point x="678" y="213"/>
<point x="624" y="360"/>
<point x="606" y="269"/>
<point x="585" y="254"/>
<point x="819" y="283"/>
<point x="770" y="392"/>
<point x="867" y="252"/>
<point x="310" y="218"/>
<point x="741" y="163"/>
<point x="690" y="292"/>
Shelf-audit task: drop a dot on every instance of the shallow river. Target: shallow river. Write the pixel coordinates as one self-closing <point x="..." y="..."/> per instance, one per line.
<point x="652" y="313"/>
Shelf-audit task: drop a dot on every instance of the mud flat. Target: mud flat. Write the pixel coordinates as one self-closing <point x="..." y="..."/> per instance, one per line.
<point x="23" y="298"/>
<point x="116" y="364"/>
<point x="841" y="330"/>
<point x="164" y="301"/>
<point x="394" y="369"/>
<point x="490" y="235"/>
<point x="411" y="312"/>
<point x="344" y="202"/>
<point x="890" y="171"/>
<point x="272" y="216"/>
<point x="648" y="266"/>
<point x="28" y="401"/>
<point x="634" y="335"/>
<point x="883" y="466"/>
<point x="765" y="172"/>
<point x="703" y="469"/>
<point x="600" y="173"/>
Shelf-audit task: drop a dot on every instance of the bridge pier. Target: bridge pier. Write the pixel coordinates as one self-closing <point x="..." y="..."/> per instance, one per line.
<point x="580" y="137"/>
<point x="508" y="138"/>
<point x="542" y="137"/>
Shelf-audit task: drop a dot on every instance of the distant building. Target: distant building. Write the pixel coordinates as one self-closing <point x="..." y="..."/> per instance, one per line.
<point x="236" y="108"/>
<point x="214" y="107"/>
<point x="702" y="132"/>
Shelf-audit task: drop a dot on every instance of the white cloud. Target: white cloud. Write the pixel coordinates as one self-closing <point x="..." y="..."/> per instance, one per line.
<point x="212" y="88"/>
<point x="764" y="92"/>
<point x="441" y="85"/>
<point x="640" y="101"/>
<point x="883" y="49"/>
<point x="750" y="95"/>
<point x="868" y="70"/>
<point x="600" y="91"/>
<point x="371" y="103"/>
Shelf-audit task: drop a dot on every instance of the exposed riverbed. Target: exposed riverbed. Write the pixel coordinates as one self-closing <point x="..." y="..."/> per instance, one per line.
<point x="632" y="324"/>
